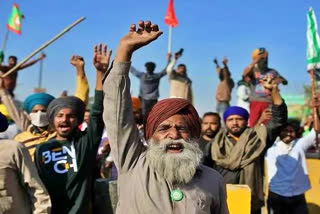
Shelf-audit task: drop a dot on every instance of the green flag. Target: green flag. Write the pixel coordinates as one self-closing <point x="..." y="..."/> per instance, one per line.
<point x="14" y="22"/>
<point x="313" y="42"/>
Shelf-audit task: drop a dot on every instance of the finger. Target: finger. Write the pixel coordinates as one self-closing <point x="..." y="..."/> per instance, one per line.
<point x="155" y="35"/>
<point x="132" y="28"/>
<point x="140" y="26"/>
<point x="104" y="49"/>
<point x="147" y="26"/>
<point x="109" y="55"/>
<point x="100" y="48"/>
<point x="154" y="27"/>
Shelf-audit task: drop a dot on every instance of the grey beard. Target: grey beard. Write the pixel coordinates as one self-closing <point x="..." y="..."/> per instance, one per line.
<point x="176" y="168"/>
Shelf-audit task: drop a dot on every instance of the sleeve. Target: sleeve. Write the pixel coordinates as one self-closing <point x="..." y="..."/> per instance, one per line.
<point x="279" y="118"/>
<point x="242" y="93"/>
<point x="135" y="72"/>
<point x="92" y="138"/>
<point x="29" y="177"/>
<point x="82" y="89"/>
<point x="170" y="67"/>
<point x="18" y="116"/>
<point x="164" y="71"/>
<point x="307" y="141"/>
<point x="122" y="131"/>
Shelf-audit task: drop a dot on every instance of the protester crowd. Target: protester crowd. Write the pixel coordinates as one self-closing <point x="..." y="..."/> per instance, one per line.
<point x="162" y="155"/>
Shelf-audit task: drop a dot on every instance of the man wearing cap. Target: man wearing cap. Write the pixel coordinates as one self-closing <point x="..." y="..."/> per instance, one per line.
<point x="149" y="85"/>
<point x="66" y="163"/>
<point x="166" y="176"/>
<point x="237" y="152"/>
<point x="260" y="98"/>
<point x="21" y="190"/>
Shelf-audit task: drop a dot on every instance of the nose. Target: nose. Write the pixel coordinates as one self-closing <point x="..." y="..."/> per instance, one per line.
<point x="174" y="134"/>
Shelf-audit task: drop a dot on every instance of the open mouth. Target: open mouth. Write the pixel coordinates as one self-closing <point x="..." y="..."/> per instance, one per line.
<point x="174" y="148"/>
<point x="64" y="128"/>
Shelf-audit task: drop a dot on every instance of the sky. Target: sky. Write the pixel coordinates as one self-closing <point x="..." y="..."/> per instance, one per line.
<point x="206" y="29"/>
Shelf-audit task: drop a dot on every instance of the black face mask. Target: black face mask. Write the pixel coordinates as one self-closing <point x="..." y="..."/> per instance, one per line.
<point x="262" y="64"/>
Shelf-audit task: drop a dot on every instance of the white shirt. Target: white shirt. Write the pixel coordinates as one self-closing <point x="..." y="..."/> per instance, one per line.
<point x="243" y="94"/>
<point x="287" y="169"/>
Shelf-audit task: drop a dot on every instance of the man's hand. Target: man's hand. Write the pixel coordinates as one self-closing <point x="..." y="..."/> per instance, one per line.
<point x="268" y="81"/>
<point x="169" y="55"/>
<point x="135" y="39"/>
<point x="101" y="57"/>
<point x="225" y="61"/>
<point x="42" y="56"/>
<point x="77" y="61"/>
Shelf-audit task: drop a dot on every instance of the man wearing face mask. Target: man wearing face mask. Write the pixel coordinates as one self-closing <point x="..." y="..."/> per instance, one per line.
<point x="37" y="132"/>
<point x="287" y="171"/>
<point x="260" y="99"/>
<point x="149" y="85"/>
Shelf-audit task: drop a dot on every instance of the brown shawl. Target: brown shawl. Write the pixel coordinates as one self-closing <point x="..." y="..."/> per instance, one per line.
<point x="246" y="156"/>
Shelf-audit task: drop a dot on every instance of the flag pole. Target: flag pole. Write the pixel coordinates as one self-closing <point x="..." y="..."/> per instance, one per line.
<point x="4" y="43"/>
<point x="43" y="47"/>
<point x="170" y="39"/>
<point x="40" y="74"/>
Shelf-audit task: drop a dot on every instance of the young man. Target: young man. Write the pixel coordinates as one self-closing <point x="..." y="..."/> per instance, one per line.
<point x="287" y="171"/>
<point x="166" y="176"/>
<point x="260" y="98"/>
<point x="238" y="151"/>
<point x="149" y="85"/>
<point x="224" y="88"/>
<point x="210" y="126"/>
<point x="66" y="163"/>
<point x="180" y="83"/>
<point x="10" y="81"/>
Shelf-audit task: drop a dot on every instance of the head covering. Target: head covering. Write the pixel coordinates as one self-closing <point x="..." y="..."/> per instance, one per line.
<point x="167" y="108"/>
<point x="3" y="123"/>
<point x="235" y="110"/>
<point x="37" y="99"/>
<point x="77" y="106"/>
<point x="136" y="104"/>
<point x="259" y="51"/>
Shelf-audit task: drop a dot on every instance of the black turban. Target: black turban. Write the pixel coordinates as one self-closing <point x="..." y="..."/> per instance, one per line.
<point x="77" y="106"/>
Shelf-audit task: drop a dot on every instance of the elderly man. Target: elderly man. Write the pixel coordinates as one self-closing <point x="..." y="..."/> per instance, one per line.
<point x="21" y="190"/>
<point x="238" y="151"/>
<point x="167" y="176"/>
<point x="65" y="163"/>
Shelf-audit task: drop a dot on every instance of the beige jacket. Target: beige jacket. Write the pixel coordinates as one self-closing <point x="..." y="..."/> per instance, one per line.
<point x="21" y="190"/>
<point x="141" y="189"/>
<point x="180" y="86"/>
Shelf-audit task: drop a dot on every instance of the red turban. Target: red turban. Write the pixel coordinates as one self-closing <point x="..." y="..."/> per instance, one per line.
<point x="167" y="108"/>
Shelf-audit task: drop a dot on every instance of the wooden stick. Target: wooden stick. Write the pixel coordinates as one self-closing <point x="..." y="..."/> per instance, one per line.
<point x="315" y="108"/>
<point x="42" y="47"/>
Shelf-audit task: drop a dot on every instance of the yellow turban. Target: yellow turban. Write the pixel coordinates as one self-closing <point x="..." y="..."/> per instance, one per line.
<point x="259" y="51"/>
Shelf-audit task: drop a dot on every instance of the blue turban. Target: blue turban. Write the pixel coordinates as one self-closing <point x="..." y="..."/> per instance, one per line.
<point x="235" y="110"/>
<point x="37" y="99"/>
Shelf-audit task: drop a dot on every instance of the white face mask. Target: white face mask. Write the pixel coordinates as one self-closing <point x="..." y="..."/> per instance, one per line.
<point x="39" y="119"/>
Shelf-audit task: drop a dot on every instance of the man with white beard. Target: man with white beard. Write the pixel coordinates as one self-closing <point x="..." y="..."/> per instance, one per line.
<point x="165" y="177"/>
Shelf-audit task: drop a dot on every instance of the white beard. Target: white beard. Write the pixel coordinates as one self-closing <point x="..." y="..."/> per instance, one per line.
<point x="176" y="168"/>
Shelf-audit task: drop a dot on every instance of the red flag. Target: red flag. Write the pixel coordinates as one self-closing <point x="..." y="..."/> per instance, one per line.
<point x="171" y="18"/>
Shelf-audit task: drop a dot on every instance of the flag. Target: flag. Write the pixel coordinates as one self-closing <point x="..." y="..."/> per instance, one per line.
<point x="14" y="22"/>
<point x="313" y="42"/>
<point x="170" y="18"/>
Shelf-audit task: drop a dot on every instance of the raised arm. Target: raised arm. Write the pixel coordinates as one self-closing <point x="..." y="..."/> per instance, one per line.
<point x="17" y="115"/>
<point x="118" y="117"/>
<point x="32" y="62"/>
<point x="82" y="85"/>
<point x="135" y="72"/>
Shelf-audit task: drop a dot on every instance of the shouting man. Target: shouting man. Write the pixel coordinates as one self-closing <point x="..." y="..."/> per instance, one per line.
<point x="167" y="176"/>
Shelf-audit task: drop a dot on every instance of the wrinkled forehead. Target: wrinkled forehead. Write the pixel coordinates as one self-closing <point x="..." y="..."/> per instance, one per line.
<point x="176" y="119"/>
